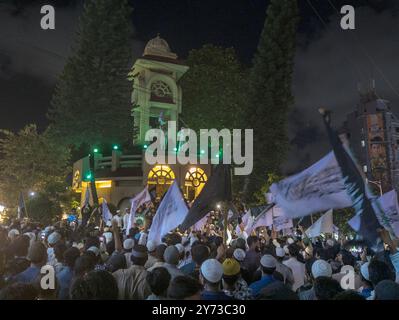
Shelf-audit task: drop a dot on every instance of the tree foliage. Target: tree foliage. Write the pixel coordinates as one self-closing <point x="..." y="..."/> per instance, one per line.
<point x="91" y="103"/>
<point x="269" y="91"/>
<point x="213" y="89"/>
<point x="30" y="162"/>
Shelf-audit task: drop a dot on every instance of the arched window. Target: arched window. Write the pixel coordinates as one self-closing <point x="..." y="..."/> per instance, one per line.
<point x="160" y="89"/>
<point x="194" y="182"/>
<point x="162" y="177"/>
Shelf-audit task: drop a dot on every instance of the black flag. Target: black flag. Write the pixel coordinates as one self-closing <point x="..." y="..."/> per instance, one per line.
<point x="21" y="207"/>
<point x="355" y="187"/>
<point x="217" y="189"/>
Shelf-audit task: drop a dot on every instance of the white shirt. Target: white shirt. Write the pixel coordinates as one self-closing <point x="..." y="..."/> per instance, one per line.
<point x="298" y="271"/>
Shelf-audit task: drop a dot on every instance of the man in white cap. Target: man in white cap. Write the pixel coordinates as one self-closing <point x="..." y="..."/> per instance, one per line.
<point x="152" y="258"/>
<point x="268" y="265"/>
<point x="171" y="258"/>
<point x="52" y="240"/>
<point x="320" y="268"/>
<point x="211" y="273"/>
<point x="281" y="268"/>
<point x="128" y="245"/>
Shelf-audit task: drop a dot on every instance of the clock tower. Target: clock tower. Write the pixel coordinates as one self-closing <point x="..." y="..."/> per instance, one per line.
<point x="157" y="96"/>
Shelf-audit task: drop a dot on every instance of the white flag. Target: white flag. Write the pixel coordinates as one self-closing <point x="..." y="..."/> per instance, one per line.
<point x="86" y="200"/>
<point x="389" y="217"/>
<point x="106" y="214"/>
<point x="280" y="219"/>
<point x="170" y="214"/>
<point x="200" y="224"/>
<point x="143" y="197"/>
<point x="318" y="188"/>
<point x="323" y="225"/>
<point x="265" y="219"/>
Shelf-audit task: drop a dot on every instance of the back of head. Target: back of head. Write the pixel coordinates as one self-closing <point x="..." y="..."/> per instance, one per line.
<point x="379" y="271"/>
<point x="37" y="253"/>
<point x="212" y="271"/>
<point x="95" y="285"/>
<point x="159" y="251"/>
<point x="59" y="250"/>
<point x="252" y="240"/>
<point x="293" y="250"/>
<point x="200" y="253"/>
<point x="326" y="288"/>
<point x="158" y="279"/>
<point x="83" y="265"/>
<point x="387" y="290"/>
<point x="171" y="255"/>
<point x="277" y="291"/>
<point x="139" y="255"/>
<point x="349" y="295"/>
<point x="240" y="244"/>
<point x="115" y="262"/>
<point x="70" y="256"/>
<point x="184" y="287"/>
<point x="92" y="242"/>
<point x="19" y="291"/>
<point x="20" y="246"/>
<point x="321" y="268"/>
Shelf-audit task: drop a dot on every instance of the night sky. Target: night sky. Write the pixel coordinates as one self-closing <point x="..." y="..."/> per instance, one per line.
<point x="329" y="65"/>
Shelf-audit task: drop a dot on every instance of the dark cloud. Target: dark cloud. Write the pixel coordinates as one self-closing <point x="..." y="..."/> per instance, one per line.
<point x="328" y="71"/>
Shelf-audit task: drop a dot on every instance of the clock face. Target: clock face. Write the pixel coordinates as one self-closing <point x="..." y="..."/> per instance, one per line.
<point x="161" y="89"/>
<point x="76" y="180"/>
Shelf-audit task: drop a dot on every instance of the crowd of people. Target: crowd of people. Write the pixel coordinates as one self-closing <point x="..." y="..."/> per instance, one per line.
<point x="110" y="262"/>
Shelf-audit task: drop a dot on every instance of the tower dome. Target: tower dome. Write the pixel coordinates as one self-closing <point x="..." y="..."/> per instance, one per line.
<point x="159" y="47"/>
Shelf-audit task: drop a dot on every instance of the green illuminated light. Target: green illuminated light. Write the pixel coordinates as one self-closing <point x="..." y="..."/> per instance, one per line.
<point x="95" y="150"/>
<point x="115" y="147"/>
<point x="145" y="146"/>
<point x="202" y="151"/>
<point x="175" y="149"/>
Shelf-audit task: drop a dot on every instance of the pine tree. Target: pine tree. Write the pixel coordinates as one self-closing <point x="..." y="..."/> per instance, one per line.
<point x="91" y="103"/>
<point x="269" y="92"/>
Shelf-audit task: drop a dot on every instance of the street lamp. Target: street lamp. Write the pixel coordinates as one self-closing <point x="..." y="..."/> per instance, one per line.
<point x="32" y="193"/>
<point x="377" y="183"/>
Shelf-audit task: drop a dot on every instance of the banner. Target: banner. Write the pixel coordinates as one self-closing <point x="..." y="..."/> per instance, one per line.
<point x="170" y="214"/>
<point x="389" y="215"/>
<point x="318" y="188"/>
<point x="280" y="219"/>
<point x="106" y="214"/>
<point x="323" y="225"/>
<point x="141" y="198"/>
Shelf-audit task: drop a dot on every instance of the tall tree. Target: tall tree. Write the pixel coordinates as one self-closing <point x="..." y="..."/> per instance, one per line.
<point x="30" y="162"/>
<point x="213" y="89"/>
<point x="91" y="102"/>
<point x="269" y="92"/>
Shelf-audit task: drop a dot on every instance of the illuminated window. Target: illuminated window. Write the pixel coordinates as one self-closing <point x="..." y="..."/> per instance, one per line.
<point x="194" y="182"/>
<point x="161" y="176"/>
<point x="161" y="89"/>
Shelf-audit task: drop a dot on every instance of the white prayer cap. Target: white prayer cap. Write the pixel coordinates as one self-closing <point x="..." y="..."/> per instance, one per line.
<point x="212" y="270"/>
<point x="364" y="270"/>
<point x="239" y="254"/>
<point x="268" y="261"/>
<point x="290" y="241"/>
<point x="95" y="250"/>
<point x="128" y="244"/>
<point x="13" y="233"/>
<point x="321" y="268"/>
<point x="280" y="252"/>
<point x="54" y="237"/>
<point x="179" y="247"/>
<point x="286" y="249"/>
<point x="276" y="243"/>
<point x="151" y="246"/>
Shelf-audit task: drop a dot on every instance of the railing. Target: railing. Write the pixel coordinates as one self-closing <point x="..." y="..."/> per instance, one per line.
<point x="125" y="161"/>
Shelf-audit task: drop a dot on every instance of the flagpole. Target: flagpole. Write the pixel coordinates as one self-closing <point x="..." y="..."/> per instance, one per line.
<point x="225" y="217"/>
<point x="26" y="207"/>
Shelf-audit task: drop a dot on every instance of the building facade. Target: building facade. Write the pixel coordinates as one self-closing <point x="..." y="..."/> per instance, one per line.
<point x="373" y="134"/>
<point x="156" y="99"/>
